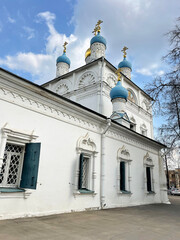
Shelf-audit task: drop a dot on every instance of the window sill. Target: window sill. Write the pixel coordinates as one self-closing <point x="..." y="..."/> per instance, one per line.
<point x="11" y="190"/>
<point x="125" y="192"/>
<point x="14" y="193"/>
<point x="84" y="192"/>
<point x="150" y="192"/>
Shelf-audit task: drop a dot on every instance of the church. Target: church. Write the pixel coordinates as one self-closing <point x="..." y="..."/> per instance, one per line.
<point x="82" y="141"/>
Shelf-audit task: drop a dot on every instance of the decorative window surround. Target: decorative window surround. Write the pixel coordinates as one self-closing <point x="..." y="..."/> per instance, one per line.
<point x="143" y="129"/>
<point x="86" y="146"/>
<point x="12" y="136"/>
<point x="123" y="155"/>
<point x="148" y="163"/>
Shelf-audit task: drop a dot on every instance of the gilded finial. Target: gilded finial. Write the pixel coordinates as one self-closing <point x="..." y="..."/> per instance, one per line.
<point x="64" y="46"/>
<point x="95" y="31"/>
<point x="124" y="51"/>
<point x="118" y="72"/>
<point x="97" y="27"/>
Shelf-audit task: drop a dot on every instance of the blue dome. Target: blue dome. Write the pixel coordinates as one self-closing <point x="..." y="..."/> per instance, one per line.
<point x="98" y="38"/>
<point x="63" y="58"/>
<point x="118" y="91"/>
<point x="125" y="63"/>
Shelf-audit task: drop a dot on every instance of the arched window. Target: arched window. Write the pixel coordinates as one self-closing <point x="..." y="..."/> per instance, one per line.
<point x="85" y="177"/>
<point x="148" y="173"/>
<point x="123" y="178"/>
<point x="145" y="105"/>
<point x="143" y="129"/>
<point x="132" y="123"/>
<point x="131" y="96"/>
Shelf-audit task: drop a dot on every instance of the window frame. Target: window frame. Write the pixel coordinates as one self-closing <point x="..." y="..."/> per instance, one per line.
<point x="87" y="147"/>
<point x="19" y="138"/>
<point x="4" y="183"/>
<point x="148" y="163"/>
<point x="123" y="155"/>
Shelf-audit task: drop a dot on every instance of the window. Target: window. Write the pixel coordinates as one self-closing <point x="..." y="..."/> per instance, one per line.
<point x="83" y="182"/>
<point x="132" y="96"/>
<point x="12" y="165"/>
<point x="124" y="177"/>
<point x="148" y="177"/>
<point x="132" y="124"/>
<point x="143" y="129"/>
<point x="148" y="169"/>
<point x="20" y="161"/>
<point x="86" y="175"/>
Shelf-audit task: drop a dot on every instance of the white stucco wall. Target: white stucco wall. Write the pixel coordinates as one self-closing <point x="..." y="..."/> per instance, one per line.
<point x="59" y="124"/>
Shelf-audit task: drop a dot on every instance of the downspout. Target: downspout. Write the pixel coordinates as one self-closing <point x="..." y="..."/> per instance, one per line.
<point x="102" y="166"/>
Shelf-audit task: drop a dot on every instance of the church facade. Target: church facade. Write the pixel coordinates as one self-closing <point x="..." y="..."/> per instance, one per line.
<point x="83" y="141"/>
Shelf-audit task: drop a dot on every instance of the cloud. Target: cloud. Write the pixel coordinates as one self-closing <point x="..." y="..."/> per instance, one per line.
<point x="30" y="32"/>
<point x="42" y="66"/>
<point x="140" y="25"/>
<point x="11" y="20"/>
<point x="36" y="64"/>
<point x="152" y="70"/>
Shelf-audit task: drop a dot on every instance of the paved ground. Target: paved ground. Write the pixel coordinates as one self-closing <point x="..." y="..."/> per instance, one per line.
<point x="151" y="222"/>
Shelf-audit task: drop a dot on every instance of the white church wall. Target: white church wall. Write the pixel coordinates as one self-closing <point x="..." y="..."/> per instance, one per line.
<point x="59" y="161"/>
<point x="136" y="182"/>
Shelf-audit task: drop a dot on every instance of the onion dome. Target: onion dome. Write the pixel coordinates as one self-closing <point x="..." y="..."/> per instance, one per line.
<point x="125" y="63"/>
<point x="98" y="38"/>
<point x="63" y="58"/>
<point x="88" y="53"/>
<point x="119" y="92"/>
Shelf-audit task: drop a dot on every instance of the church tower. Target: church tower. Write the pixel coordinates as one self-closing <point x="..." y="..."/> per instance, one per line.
<point x="62" y="63"/>
<point x="125" y="66"/>
<point x="97" y="45"/>
<point x="119" y="96"/>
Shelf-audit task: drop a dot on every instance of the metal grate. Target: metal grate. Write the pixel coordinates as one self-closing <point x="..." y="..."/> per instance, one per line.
<point x="11" y="166"/>
<point x="85" y="173"/>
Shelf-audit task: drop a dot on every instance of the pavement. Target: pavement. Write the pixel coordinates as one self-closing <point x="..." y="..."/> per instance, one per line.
<point x="147" y="222"/>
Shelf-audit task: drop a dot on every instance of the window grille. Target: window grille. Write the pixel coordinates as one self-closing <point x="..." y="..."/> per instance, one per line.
<point x="85" y="173"/>
<point x="12" y="164"/>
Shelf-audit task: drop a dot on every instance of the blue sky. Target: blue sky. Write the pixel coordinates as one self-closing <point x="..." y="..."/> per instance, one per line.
<point x="32" y="33"/>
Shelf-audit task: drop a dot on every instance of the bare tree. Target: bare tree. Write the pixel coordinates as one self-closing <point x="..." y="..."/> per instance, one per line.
<point x="165" y="90"/>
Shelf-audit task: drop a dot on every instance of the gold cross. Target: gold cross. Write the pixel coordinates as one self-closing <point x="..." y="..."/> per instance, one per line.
<point x="64" y="45"/>
<point x="118" y="72"/>
<point x="95" y="31"/>
<point x="124" y="51"/>
<point x="97" y="27"/>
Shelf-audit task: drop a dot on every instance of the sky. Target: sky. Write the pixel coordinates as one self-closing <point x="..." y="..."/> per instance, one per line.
<point x="32" y="33"/>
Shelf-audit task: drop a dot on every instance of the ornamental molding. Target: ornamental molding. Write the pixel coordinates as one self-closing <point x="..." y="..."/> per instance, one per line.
<point x="129" y="140"/>
<point x="148" y="160"/>
<point x="49" y="109"/>
<point x="62" y="89"/>
<point x="111" y="80"/>
<point x="87" y="78"/>
<point x="86" y="143"/>
<point x="123" y="153"/>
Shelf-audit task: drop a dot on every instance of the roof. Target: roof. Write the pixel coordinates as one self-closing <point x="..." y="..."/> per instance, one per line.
<point x="82" y="107"/>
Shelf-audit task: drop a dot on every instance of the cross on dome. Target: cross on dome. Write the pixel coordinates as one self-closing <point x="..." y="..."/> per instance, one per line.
<point x="124" y="51"/>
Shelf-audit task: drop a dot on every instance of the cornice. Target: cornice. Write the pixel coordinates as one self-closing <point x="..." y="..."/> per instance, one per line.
<point x="49" y="109"/>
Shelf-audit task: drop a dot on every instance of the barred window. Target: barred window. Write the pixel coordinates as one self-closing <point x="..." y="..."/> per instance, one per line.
<point x="83" y="183"/>
<point x="12" y="165"/>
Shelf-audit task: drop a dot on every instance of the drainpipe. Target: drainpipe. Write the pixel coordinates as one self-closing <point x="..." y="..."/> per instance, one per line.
<point x="102" y="166"/>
